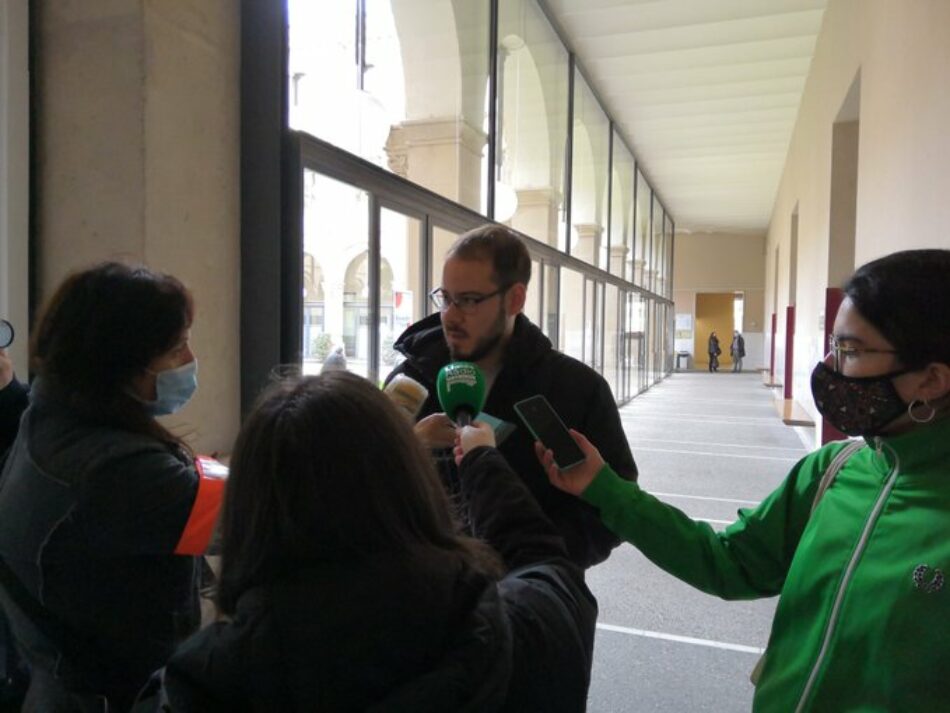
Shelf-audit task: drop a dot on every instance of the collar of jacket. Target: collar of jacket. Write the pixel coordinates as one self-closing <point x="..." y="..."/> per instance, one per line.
<point x="918" y="449"/>
<point x="424" y="344"/>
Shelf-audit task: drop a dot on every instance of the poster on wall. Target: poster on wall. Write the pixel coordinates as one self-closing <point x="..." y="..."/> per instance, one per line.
<point x="683" y="336"/>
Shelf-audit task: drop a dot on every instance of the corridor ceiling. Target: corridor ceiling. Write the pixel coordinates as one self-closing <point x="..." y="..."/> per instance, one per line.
<point x="705" y="91"/>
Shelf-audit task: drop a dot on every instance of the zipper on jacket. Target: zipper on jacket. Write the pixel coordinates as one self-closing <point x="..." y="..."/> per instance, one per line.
<point x="849" y="572"/>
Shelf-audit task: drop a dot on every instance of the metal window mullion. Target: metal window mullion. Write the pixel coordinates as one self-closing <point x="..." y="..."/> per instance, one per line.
<point x="540" y="283"/>
<point x="610" y="190"/>
<point x="291" y="256"/>
<point x="373" y="274"/>
<point x="568" y="162"/>
<point x="493" y="133"/>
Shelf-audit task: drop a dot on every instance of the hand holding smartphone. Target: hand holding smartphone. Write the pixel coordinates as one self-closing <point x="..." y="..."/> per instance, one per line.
<point x="546" y="426"/>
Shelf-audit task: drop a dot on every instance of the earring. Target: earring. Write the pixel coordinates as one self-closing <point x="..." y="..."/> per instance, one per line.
<point x="917" y="404"/>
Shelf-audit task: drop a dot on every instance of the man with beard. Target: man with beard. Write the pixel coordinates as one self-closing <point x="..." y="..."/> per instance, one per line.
<point x="484" y="286"/>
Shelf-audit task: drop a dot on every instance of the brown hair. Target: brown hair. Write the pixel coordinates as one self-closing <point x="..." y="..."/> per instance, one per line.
<point x="507" y="253"/>
<point x="326" y="468"/>
<point x="102" y="327"/>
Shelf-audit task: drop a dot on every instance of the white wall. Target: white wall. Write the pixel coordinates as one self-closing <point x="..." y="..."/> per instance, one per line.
<point x="902" y="51"/>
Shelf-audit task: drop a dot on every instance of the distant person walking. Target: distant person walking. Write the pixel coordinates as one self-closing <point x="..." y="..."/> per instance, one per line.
<point x="737" y="351"/>
<point x="714" y="352"/>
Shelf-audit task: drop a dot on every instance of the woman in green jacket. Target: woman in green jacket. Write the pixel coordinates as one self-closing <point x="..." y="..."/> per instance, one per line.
<point x="862" y="618"/>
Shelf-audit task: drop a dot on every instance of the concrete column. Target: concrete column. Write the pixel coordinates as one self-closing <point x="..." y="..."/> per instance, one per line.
<point x="137" y="129"/>
<point x="638" y="265"/>
<point x="537" y="214"/>
<point x="444" y="155"/>
<point x="587" y="245"/>
<point x="618" y="261"/>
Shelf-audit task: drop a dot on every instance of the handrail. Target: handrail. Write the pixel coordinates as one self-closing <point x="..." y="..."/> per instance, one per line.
<point x="396" y="192"/>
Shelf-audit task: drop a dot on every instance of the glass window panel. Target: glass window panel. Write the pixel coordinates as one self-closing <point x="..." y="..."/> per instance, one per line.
<point x="336" y="284"/>
<point x="589" y="176"/>
<point x="612" y="329"/>
<point x="442" y="240"/>
<point x="656" y="247"/>
<point x="571" y="327"/>
<point x="400" y="303"/>
<point x="621" y="210"/>
<point x="641" y="229"/>
<point x="415" y="105"/>
<point x="532" y="122"/>
<point x="669" y="257"/>
<point x="532" y="306"/>
<point x="591" y="318"/>
<point x="549" y="326"/>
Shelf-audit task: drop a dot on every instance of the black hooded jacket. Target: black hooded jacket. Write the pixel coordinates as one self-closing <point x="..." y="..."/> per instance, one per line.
<point x="421" y="631"/>
<point x="580" y="396"/>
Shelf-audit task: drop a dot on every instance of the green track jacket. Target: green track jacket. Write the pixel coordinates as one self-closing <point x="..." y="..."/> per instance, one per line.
<point x="863" y="619"/>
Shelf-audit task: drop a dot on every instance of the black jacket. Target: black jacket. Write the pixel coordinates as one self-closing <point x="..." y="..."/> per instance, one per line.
<point x="14" y="399"/>
<point x="578" y="394"/>
<point x="421" y="631"/>
<point x="89" y="519"/>
<point x="737" y="348"/>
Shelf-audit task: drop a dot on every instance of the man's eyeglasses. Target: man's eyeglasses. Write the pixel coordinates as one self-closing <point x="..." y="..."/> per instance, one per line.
<point x="843" y="351"/>
<point x="467" y="302"/>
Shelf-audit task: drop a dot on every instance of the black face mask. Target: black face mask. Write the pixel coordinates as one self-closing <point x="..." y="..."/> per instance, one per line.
<point x="856" y="405"/>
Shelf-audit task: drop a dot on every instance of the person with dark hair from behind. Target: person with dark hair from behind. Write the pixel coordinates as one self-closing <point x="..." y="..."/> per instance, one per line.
<point x="102" y="510"/>
<point x="856" y="541"/>
<point x="346" y="586"/>
<point x="480" y="301"/>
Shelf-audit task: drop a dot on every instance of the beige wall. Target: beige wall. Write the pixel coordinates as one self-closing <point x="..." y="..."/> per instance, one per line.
<point x="901" y="51"/>
<point x="138" y="158"/>
<point x="14" y="173"/>
<point x="723" y="262"/>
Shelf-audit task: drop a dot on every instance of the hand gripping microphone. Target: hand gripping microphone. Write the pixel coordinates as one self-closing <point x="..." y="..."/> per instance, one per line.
<point x="407" y="393"/>
<point x="461" y="388"/>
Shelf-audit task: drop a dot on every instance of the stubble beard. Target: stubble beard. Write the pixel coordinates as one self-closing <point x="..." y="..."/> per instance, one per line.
<point x="486" y="345"/>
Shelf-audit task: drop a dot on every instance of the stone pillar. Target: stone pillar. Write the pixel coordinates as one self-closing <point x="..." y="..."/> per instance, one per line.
<point x="638" y="272"/>
<point x="138" y="159"/>
<point x="444" y="155"/>
<point x="587" y="245"/>
<point x="537" y="214"/>
<point x="618" y="261"/>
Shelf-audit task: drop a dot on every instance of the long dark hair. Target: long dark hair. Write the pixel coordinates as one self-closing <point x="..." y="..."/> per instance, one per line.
<point x="100" y="330"/>
<point x="326" y="468"/>
<point x="904" y="295"/>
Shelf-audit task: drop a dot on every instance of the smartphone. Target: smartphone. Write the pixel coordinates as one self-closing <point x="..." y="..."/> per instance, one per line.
<point x="546" y="426"/>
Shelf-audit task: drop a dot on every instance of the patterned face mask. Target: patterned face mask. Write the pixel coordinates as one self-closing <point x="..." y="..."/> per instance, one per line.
<point x="856" y="405"/>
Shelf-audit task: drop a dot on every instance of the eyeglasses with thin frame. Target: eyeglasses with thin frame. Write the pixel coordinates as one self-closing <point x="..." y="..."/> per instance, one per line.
<point x="467" y="302"/>
<point x="841" y="351"/>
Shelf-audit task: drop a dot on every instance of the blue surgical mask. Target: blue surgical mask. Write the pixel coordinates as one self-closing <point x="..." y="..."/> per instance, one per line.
<point x="173" y="389"/>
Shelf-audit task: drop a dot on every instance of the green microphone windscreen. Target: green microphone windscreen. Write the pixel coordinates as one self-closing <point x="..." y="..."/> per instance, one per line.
<point x="461" y="388"/>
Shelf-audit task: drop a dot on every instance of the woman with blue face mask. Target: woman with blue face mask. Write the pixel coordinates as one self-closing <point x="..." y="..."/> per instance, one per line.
<point x="102" y="509"/>
<point x="859" y="560"/>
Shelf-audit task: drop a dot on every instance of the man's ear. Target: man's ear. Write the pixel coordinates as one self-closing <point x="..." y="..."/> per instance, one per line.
<point x="935" y="382"/>
<point x="515" y="298"/>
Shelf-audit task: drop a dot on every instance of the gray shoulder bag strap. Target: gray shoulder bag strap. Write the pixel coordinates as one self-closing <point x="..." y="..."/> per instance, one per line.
<point x="827" y="478"/>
